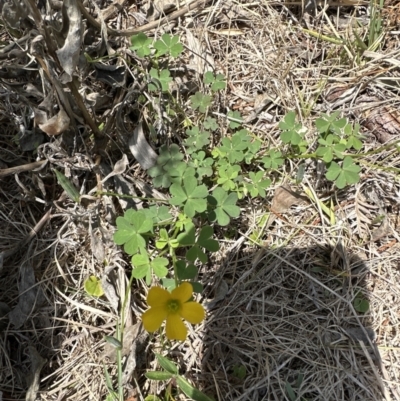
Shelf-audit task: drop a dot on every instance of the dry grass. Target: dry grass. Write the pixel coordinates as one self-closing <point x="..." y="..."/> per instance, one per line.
<point x="288" y="314"/>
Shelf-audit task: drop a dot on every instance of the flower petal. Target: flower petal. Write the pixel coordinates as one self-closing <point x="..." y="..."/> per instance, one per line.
<point x="193" y="312"/>
<point x="183" y="292"/>
<point x="175" y="328"/>
<point x="157" y="296"/>
<point x="153" y="318"/>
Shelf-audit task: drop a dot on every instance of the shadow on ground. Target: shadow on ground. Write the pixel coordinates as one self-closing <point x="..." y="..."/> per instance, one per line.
<point x="288" y="328"/>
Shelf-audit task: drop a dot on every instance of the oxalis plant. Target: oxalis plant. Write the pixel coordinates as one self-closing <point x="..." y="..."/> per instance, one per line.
<point x="169" y="242"/>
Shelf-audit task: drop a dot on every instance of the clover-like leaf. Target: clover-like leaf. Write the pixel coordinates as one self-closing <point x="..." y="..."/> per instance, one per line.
<point x="191" y="195"/>
<point x="180" y="171"/>
<point x="210" y="123"/>
<point x="186" y="272"/>
<point x="201" y="164"/>
<point x="224" y="205"/>
<point x="158" y="213"/>
<point x="330" y="148"/>
<point x="346" y="174"/>
<point x="141" y="44"/>
<point x="292" y="131"/>
<point x="273" y="160"/>
<point x="353" y="137"/>
<point x="258" y="184"/>
<point x="168" y="159"/>
<point x="234" y="148"/>
<point x="217" y="81"/>
<point x="196" y="139"/>
<point x="252" y="149"/>
<point x="227" y="176"/>
<point x="163" y="76"/>
<point x="130" y="228"/>
<point x="143" y="266"/>
<point x="324" y="123"/>
<point x="159" y="266"/>
<point x="204" y="240"/>
<point x="200" y="102"/>
<point x="168" y="44"/>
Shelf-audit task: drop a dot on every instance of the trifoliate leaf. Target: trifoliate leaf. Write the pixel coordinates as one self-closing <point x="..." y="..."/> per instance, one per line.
<point x="130" y="229"/>
<point x="200" y="102"/>
<point x="346" y="174"/>
<point x="224" y="205"/>
<point x="141" y="44"/>
<point x="191" y="195"/>
<point x="168" y="44"/>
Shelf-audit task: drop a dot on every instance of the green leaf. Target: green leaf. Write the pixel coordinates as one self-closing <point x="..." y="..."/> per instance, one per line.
<point x="141" y="44"/>
<point x="235" y="119"/>
<point x="200" y="102"/>
<point x="290" y="392"/>
<point x="227" y="175"/>
<point x="67" y="186"/>
<point x="93" y="286"/>
<point x="141" y="264"/>
<point x="152" y="397"/>
<point x="159" y="267"/>
<point x="224" y="206"/>
<point x="217" y="81"/>
<point x="158" y="213"/>
<point x="113" y="342"/>
<point x="346" y="174"/>
<point x="163" y="76"/>
<point x="206" y="241"/>
<point x="292" y="131"/>
<point x="196" y="139"/>
<point x="108" y="380"/>
<point x="258" y="184"/>
<point x="353" y="137"/>
<point x="289" y="121"/>
<point x="252" y="149"/>
<point x="166" y="364"/>
<point x="197" y="287"/>
<point x="181" y="171"/>
<point x="157" y="375"/>
<point x="191" y="391"/>
<point x="188" y="237"/>
<point x="239" y="371"/>
<point x="166" y="164"/>
<point x="361" y="305"/>
<point x="201" y="164"/>
<point x="330" y="148"/>
<point x="168" y="283"/>
<point x="191" y="195"/>
<point x="234" y="148"/>
<point x="186" y="272"/>
<point x="210" y="123"/>
<point x="168" y="44"/>
<point x="274" y="159"/>
<point x="163" y="240"/>
<point x="324" y="123"/>
<point x="129" y="230"/>
<point x="208" y="78"/>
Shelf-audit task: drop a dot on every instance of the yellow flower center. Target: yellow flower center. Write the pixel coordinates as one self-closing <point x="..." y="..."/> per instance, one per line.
<point x="173" y="306"/>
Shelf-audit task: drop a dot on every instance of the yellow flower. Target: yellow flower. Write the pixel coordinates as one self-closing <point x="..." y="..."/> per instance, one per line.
<point x="172" y="307"/>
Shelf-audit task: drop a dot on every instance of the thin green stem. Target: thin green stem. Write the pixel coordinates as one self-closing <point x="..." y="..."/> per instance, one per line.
<point x="131" y="196"/>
